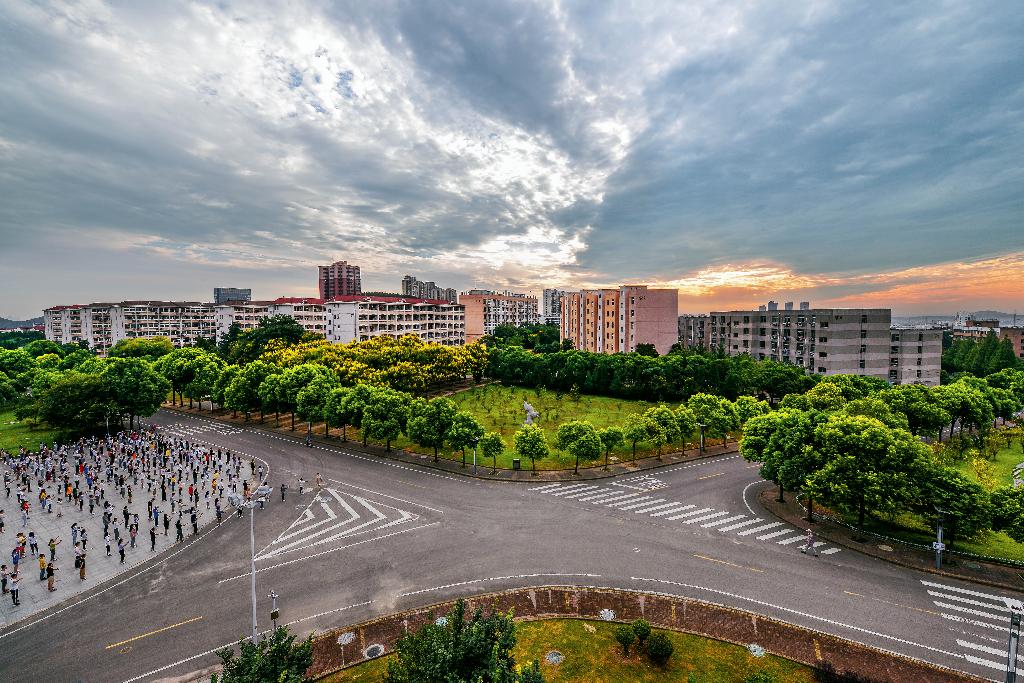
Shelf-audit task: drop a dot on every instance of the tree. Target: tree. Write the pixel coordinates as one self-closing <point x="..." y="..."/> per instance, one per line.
<point x="1008" y="512"/>
<point x="179" y="366"/>
<point x="243" y="391"/>
<point x="76" y="402"/>
<point x="311" y="404"/>
<point x="637" y="428"/>
<point x="717" y="414"/>
<point x="385" y="415"/>
<point x="580" y="439"/>
<point x="529" y="443"/>
<point x="294" y="380"/>
<point x="965" y="404"/>
<point x="748" y="407"/>
<point x="878" y="409"/>
<point x="784" y="442"/>
<point x="642" y="629"/>
<point x="220" y="387"/>
<point x="456" y="649"/>
<point x="207" y="369"/>
<point x="967" y="506"/>
<point x="491" y="446"/>
<point x="464" y="430"/>
<point x="148" y="348"/>
<point x="270" y="392"/>
<point x="275" y="331"/>
<point x="335" y="415"/>
<point x="611" y="438"/>
<point x="134" y="386"/>
<point x="647" y="350"/>
<point x="625" y="637"/>
<point x="42" y="347"/>
<point x="430" y="422"/>
<point x="660" y="648"/>
<point x="277" y="658"/>
<point x="354" y="404"/>
<point x="920" y="406"/>
<point x="686" y="423"/>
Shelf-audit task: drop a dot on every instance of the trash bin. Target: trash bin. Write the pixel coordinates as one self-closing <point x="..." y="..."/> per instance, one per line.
<point x="516" y="463"/>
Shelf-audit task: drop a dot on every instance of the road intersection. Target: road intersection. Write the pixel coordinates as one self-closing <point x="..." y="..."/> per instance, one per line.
<point x="383" y="536"/>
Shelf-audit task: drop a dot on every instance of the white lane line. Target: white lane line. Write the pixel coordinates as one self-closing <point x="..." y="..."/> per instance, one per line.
<point x="977" y="594"/>
<point x="648" y="508"/>
<point x="689" y="514"/>
<point x="607" y="494"/>
<point x="830" y="551"/>
<point x="741" y="524"/>
<point x="794" y="539"/>
<point x="570" y="489"/>
<point x="968" y="610"/>
<point x="721" y="521"/>
<point x="766" y="527"/>
<point x="645" y="499"/>
<point x="985" y="648"/>
<point x="1002" y="628"/>
<point x="774" y="534"/>
<point x="672" y="510"/>
<point x="493" y="578"/>
<point x="705" y="517"/>
<point x="546" y="486"/>
<point x="378" y="493"/>
<point x="968" y="601"/>
<point x="576" y="494"/>
<point x="646" y="504"/>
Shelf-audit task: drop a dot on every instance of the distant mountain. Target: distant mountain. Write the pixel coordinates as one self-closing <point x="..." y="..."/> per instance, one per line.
<point x="6" y="323"/>
<point x="1003" y="318"/>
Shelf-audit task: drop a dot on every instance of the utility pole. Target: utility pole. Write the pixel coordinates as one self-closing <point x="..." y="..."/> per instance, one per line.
<point x="1016" y="611"/>
<point x="938" y="545"/>
<point x="274" y="613"/>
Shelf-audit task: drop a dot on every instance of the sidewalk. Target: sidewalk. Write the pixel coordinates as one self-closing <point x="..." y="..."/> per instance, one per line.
<point x="455" y="467"/>
<point x="989" y="573"/>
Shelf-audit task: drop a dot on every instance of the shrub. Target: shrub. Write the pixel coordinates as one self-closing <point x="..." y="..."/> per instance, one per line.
<point x="625" y="637"/>
<point x="659" y="648"/>
<point x="826" y="673"/>
<point x="642" y="629"/>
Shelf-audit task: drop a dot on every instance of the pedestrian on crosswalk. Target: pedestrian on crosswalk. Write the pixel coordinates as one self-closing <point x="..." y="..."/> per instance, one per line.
<point x="809" y="545"/>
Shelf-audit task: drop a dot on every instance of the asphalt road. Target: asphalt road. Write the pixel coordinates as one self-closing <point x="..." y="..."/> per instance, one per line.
<point x="385" y="536"/>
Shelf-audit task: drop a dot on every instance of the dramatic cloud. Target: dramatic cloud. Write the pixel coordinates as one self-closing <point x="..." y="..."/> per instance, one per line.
<point x="739" y="151"/>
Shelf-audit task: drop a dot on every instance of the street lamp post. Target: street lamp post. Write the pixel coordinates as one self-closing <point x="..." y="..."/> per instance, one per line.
<point x="938" y="545"/>
<point x="1016" y="612"/>
<point x="274" y="614"/>
<point x="259" y="496"/>
<point x="702" y="426"/>
<point x="476" y="440"/>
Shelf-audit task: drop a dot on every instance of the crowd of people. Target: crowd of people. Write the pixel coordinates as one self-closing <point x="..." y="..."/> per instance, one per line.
<point x="181" y="485"/>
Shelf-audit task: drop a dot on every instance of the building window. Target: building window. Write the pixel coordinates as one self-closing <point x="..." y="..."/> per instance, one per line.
<point x="861" y="364"/>
<point x="824" y="323"/>
<point x="823" y="339"/>
<point x="821" y="369"/>
<point x="822" y="354"/>
<point x="864" y="318"/>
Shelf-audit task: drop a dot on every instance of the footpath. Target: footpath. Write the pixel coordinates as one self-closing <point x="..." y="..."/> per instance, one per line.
<point x="893" y="550"/>
<point x="484" y="469"/>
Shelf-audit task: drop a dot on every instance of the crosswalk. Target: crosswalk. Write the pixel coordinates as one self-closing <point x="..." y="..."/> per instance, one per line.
<point x="663" y="509"/>
<point x="193" y="429"/>
<point x="980" y="620"/>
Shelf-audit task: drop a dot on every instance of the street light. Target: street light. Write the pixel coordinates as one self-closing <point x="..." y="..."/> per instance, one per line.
<point x="475" y="440"/>
<point x="259" y="496"/>
<point x="1016" y="611"/>
<point x="702" y="426"/>
<point x="274" y="613"/>
<point x="938" y="545"/>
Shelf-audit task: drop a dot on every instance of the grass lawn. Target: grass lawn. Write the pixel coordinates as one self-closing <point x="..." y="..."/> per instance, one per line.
<point x="592" y="656"/>
<point x="15" y="433"/>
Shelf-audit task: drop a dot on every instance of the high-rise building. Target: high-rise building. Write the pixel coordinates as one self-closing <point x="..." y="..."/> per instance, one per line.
<point x="222" y="295"/>
<point x="339" y="279"/>
<point x="551" y="306"/>
<point x="427" y="290"/>
<point x="827" y="341"/>
<point x="485" y="310"/>
<point x="618" y="320"/>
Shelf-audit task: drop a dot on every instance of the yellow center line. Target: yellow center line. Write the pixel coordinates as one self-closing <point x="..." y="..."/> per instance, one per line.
<point x="153" y="633"/>
<point x="894" y="604"/>
<point x="738" y="566"/>
<point x="708" y="476"/>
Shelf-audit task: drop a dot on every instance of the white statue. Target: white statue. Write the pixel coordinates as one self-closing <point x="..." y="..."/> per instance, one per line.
<point x="531" y="414"/>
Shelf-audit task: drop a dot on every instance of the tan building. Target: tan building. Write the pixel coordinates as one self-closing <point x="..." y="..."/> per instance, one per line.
<point x="339" y="279"/>
<point x="1016" y="336"/>
<point x="486" y="310"/>
<point x="827" y="341"/>
<point x="617" y="320"/>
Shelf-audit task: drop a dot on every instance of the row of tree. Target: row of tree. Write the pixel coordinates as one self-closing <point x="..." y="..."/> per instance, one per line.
<point x="979" y="357"/>
<point x="860" y="452"/>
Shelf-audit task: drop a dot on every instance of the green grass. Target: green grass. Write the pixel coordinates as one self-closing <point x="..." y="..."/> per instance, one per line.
<point x="1005" y="460"/>
<point x="15" y="433"/>
<point x="593" y="656"/>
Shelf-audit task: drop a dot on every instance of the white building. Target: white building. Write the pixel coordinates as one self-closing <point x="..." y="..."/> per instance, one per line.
<point x="102" y="325"/>
<point x="358" y="318"/>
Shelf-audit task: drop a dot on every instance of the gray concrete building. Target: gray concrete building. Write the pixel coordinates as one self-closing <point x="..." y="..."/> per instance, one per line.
<point x="826" y="341"/>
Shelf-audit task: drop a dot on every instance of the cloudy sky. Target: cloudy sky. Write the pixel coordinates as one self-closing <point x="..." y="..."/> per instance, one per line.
<point x="842" y="152"/>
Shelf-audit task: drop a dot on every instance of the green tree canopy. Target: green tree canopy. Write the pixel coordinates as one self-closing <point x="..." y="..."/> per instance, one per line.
<point x="581" y="440"/>
<point x="529" y="443"/>
<point x="134" y="386"/>
<point x="274" y="659"/>
<point x="148" y="348"/>
<point x="430" y="421"/>
<point x="463" y="431"/>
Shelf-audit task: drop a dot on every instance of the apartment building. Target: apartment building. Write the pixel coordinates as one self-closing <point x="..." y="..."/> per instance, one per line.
<point x="247" y="314"/>
<point x="486" y="310"/>
<point x="102" y="325"/>
<point x="618" y="320"/>
<point x="358" y="318"/>
<point x="339" y="279"/>
<point x="418" y="289"/>
<point x="551" y="306"/>
<point x="828" y="341"/>
<point x="1015" y="334"/>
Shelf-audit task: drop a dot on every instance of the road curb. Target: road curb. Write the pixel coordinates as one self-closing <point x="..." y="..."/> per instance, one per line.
<point x="455" y="468"/>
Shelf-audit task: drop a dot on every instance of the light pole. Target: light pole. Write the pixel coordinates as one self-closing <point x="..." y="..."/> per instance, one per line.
<point x="259" y="495"/>
<point x="474" y="441"/>
<point x="274" y="614"/>
<point x="1016" y="611"/>
<point x="702" y="426"/>
<point x="938" y="545"/>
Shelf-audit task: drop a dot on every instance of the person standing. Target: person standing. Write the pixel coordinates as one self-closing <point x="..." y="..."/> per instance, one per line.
<point x="3" y="579"/>
<point x="85" y="540"/>
<point x="132" y="533"/>
<point x="50" y="569"/>
<point x="152" y="538"/>
<point x="81" y="567"/>
<point x="167" y="524"/>
<point x="53" y="548"/>
<point x="284" y="488"/>
<point x="302" y="485"/>
<point x="15" y="585"/>
<point x="120" y="549"/>
<point x="319" y="481"/>
<point x="106" y="542"/>
<point x="809" y="544"/>
<point x="42" y="567"/>
<point x="177" y="527"/>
